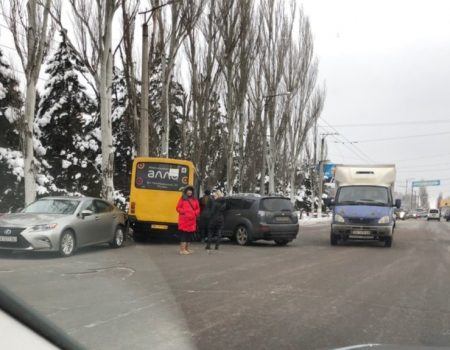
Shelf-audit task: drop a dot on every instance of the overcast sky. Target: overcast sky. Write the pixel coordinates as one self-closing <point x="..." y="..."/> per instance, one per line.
<point x="382" y="62"/>
<point x="387" y="62"/>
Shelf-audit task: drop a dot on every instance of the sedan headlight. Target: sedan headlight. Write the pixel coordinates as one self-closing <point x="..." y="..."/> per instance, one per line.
<point x="338" y="218"/>
<point x="384" y="220"/>
<point x="45" y="227"/>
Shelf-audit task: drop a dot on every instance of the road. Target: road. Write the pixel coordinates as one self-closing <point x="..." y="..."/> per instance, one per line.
<point x="307" y="295"/>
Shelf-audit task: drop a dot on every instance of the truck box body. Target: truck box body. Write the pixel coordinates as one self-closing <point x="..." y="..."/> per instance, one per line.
<point x="364" y="206"/>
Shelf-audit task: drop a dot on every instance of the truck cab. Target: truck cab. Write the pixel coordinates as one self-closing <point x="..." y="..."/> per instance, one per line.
<point x="363" y="208"/>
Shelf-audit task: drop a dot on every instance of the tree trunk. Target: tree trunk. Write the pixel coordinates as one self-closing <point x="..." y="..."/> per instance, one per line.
<point x="230" y="141"/>
<point x="27" y="143"/>
<point x="106" y="70"/>
<point x="106" y="128"/>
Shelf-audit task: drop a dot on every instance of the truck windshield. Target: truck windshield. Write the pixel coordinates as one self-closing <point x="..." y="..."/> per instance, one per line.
<point x="372" y="195"/>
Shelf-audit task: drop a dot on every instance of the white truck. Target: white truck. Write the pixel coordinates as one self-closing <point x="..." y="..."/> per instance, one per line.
<point x="363" y="208"/>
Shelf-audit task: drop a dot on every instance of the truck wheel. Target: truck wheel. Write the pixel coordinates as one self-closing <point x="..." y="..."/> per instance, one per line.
<point x="333" y="239"/>
<point x="388" y="242"/>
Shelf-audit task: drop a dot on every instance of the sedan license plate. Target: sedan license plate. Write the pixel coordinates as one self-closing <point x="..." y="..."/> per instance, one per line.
<point x="361" y="233"/>
<point x="8" y="239"/>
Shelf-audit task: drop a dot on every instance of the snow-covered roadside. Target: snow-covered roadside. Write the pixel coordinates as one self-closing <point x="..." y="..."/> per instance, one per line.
<point x="309" y="221"/>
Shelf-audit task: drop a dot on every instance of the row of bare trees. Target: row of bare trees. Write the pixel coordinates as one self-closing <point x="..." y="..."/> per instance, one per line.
<point x="252" y="94"/>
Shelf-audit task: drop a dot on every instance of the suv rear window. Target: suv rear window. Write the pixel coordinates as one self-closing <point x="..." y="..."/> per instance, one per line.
<point x="238" y="203"/>
<point x="276" y="204"/>
<point x="434" y="211"/>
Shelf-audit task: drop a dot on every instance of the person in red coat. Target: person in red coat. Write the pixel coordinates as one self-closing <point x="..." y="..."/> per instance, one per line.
<point x="188" y="209"/>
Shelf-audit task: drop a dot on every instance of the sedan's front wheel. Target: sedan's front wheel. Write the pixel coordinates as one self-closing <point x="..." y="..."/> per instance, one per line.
<point x="67" y="244"/>
<point x="119" y="236"/>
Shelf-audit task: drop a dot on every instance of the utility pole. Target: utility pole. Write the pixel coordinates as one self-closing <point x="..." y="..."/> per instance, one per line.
<point x="143" y="148"/>
<point x="412" y="193"/>
<point x="322" y="147"/>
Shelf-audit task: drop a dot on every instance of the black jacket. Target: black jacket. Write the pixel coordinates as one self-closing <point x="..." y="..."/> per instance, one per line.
<point x="216" y="211"/>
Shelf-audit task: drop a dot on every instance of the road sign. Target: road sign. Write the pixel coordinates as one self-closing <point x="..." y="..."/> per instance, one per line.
<point x="426" y="183"/>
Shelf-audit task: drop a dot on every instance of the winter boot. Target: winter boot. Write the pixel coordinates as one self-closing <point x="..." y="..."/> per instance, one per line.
<point x="183" y="250"/>
<point x="188" y="246"/>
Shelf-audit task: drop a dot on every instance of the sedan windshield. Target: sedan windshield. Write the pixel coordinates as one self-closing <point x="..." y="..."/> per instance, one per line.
<point x="372" y="195"/>
<point x="53" y="206"/>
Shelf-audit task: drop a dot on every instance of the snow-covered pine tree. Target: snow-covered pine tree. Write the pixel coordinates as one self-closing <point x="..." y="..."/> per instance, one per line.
<point x="65" y="128"/>
<point x="11" y="160"/>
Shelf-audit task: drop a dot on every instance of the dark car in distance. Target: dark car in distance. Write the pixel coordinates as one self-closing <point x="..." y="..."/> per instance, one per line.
<point x="252" y="217"/>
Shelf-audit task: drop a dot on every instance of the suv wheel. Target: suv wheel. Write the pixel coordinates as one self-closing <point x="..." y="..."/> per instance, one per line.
<point x="242" y="236"/>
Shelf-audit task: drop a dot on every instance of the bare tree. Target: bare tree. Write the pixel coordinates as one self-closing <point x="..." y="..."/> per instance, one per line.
<point x="129" y="11"/>
<point x="277" y="34"/>
<point x="205" y="77"/>
<point x="32" y="34"/>
<point x="249" y="40"/>
<point x="183" y="17"/>
<point x="228" y="25"/>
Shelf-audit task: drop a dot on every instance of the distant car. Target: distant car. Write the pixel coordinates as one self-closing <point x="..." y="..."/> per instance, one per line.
<point x="400" y="214"/>
<point x="252" y="217"/>
<point x="434" y="214"/>
<point x="63" y="224"/>
<point x="411" y="214"/>
<point x="422" y="213"/>
<point x="447" y="215"/>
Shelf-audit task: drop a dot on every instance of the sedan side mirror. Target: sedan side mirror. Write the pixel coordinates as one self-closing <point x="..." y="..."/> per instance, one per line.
<point x="398" y="203"/>
<point x="85" y="213"/>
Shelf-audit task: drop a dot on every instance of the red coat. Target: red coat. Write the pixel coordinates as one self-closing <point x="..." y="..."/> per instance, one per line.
<point x="188" y="210"/>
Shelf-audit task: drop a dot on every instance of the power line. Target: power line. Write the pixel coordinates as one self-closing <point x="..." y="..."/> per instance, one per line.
<point x="400" y="123"/>
<point x="345" y="138"/>
<point x="403" y="137"/>
<point x="424" y="157"/>
<point x="346" y="145"/>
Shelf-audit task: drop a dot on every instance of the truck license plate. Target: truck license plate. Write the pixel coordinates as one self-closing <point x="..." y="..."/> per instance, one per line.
<point x="8" y="239"/>
<point x="361" y="233"/>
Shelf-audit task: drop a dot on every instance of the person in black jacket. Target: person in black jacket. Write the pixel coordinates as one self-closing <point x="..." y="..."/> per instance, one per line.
<point x="204" y="215"/>
<point x="216" y="219"/>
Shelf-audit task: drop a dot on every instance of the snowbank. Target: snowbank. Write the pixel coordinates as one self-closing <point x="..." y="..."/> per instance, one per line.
<point x="309" y="221"/>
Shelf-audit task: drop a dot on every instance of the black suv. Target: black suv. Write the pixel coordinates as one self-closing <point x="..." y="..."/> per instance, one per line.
<point x="252" y="217"/>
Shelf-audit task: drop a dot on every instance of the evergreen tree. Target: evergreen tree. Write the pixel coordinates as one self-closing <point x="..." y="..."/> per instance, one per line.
<point x="11" y="160"/>
<point x="65" y="126"/>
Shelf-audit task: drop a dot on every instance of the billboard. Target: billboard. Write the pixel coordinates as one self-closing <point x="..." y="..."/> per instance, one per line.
<point x="329" y="170"/>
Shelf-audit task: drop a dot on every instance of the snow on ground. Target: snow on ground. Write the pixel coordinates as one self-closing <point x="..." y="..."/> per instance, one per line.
<point x="310" y="220"/>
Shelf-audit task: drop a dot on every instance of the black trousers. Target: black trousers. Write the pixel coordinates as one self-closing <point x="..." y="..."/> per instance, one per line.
<point x="203" y="228"/>
<point x="214" y="232"/>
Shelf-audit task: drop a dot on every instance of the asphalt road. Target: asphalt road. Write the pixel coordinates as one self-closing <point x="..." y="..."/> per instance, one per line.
<point x="307" y="295"/>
